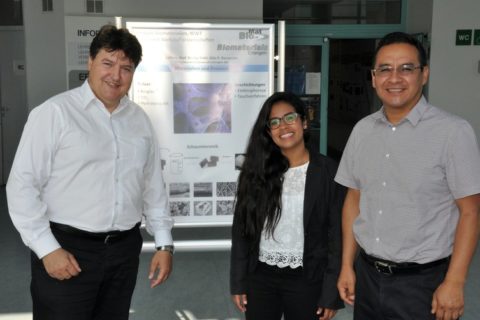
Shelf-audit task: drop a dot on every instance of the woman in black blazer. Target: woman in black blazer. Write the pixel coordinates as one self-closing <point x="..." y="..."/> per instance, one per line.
<point x="286" y="234"/>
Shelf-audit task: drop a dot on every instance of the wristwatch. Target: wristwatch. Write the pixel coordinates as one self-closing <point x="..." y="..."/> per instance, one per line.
<point x="169" y="248"/>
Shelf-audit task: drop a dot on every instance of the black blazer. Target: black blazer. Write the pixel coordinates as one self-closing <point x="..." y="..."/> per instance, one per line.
<point x="322" y="231"/>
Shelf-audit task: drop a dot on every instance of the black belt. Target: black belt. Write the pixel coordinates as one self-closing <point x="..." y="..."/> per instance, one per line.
<point x="105" y="237"/>
<point x="390" y="267"/>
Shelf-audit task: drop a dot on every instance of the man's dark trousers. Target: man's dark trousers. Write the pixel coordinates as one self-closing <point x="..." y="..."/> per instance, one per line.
<point x="104" y="287"/>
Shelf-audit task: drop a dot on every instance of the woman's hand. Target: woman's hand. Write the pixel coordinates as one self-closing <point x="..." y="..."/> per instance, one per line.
<point x="240" y="300"/>
<point x="326" y="314"/>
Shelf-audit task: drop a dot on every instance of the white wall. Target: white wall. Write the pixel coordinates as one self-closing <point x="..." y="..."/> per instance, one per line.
<point x="44" y="51"/>
<point x="175" y="9"/>
<point x="12" y="95"/>
<point x="454" y="77"/>
<point x="419" y="16"/>
<point x="45" y="35"/>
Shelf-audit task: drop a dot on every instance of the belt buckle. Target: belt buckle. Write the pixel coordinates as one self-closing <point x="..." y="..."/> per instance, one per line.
<point x="107" y="238"/>
<point x="383" y="267"/>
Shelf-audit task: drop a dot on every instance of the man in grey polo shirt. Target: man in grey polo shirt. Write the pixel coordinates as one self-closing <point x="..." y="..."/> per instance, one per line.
<point x="412" y="209"/>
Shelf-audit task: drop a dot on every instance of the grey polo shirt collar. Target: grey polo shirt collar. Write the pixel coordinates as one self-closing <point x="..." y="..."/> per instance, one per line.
<point x="414" y="116"/>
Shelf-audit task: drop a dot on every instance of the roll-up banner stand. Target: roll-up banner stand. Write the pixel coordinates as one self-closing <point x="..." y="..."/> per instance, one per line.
<point x="202" y="86"/>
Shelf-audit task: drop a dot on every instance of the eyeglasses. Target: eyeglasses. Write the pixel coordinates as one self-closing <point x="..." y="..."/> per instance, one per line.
<point x="403" y="70"/>
<point x="288" y="118"/>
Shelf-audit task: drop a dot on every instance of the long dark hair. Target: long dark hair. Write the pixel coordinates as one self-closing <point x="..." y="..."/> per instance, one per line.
<point x="258" y="201"/>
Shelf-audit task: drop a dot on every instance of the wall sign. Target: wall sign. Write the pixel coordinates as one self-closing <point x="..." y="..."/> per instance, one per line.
<point x="464" y="37"/>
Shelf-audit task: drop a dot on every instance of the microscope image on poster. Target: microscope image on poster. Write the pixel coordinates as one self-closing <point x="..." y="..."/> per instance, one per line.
<point x="202" y="108"/>
<point x="202" y="189"/>
<point x="179" y="208"/>
<point x="225" y="208"/>
<point x="179" y="190"/>
<point x="226" y="189"/>
<point x="202" y="208"/>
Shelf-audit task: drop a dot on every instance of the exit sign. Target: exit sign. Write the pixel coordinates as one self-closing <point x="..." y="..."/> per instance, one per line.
<point x="463" y="38"/>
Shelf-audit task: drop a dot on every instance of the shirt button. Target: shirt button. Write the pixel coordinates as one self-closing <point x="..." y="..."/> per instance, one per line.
<point x="377" y="239"/>
<point x="380" y="211"/>
<point x="394" y="128"/>
<point x="384" y="183"/>
<point x="387" y="155"/>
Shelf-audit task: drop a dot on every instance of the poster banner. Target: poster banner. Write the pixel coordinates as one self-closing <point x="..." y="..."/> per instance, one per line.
<point x="79" y="33"/>
<point x="202" y="86"/>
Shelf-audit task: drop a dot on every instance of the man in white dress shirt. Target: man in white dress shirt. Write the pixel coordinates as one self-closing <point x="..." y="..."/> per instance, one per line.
<point x="86" y="170"/>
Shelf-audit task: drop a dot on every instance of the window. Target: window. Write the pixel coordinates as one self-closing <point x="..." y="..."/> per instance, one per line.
<point x="11" y="13"/>
<point x="47" y="5"/>
<point x="94" y="6"/>
<point x="333" y="11"/>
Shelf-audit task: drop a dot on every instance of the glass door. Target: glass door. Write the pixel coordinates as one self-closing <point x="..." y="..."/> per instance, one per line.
<point x="340" y="56"/>
<point x="351" y="94"/>
<point x="306" y="74"/>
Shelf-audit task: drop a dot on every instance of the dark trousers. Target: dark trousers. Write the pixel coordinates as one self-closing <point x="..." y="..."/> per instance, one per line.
<point x="102" y="291"/>
<point x="274" y="291"/>
<point x="381" y="296"/>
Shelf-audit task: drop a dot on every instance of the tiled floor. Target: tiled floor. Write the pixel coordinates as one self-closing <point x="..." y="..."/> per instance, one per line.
<point x="197" y="289"/>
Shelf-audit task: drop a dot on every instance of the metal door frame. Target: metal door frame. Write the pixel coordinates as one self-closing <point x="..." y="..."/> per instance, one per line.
<point x="320" y="35"/>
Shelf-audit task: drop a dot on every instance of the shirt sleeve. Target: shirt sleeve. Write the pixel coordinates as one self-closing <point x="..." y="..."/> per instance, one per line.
<point x="159" y="223"/>
<point x="463" y="162"/>
<point x="30" y="172"/>
<point x="345" y="174"/>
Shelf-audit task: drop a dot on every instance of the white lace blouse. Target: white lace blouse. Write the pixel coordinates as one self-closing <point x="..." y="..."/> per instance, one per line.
<point x="285" y="249"/>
